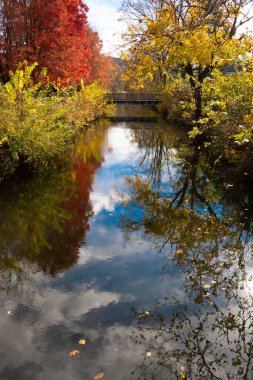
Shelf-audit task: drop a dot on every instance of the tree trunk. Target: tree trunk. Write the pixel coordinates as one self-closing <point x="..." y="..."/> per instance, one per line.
<point x="198" y="101"/>
<point x="196" y="85"/>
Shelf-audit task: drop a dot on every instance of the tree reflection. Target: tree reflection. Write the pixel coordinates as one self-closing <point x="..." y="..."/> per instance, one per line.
<point x="45" y="220"/>
<point x="208" y="341"/>
<point x="157" y="149"/>
<point x="202" y="224"/>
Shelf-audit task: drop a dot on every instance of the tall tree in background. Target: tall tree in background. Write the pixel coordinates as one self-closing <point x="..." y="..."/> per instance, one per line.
<point x="50" y="32"/>
<point x="195" y="36"/>
<point x="100" y="64"/>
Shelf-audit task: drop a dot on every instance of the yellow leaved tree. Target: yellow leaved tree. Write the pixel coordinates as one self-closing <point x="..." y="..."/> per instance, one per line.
<point x="189" y="36"/>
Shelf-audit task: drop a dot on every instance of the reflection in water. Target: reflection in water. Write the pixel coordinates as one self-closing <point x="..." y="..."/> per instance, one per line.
<point x="135" y="111"/>
<point x="197" y="226"/>
<point x="181" y="260"/>
<point x="45" y="220"/>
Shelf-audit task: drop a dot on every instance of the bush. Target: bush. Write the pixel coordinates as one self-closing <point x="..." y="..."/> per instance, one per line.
<point x="177" y="102"/>
<point x="228" y="112"/>
<point x="39" y="121"/>
<point x="228" y="98"/>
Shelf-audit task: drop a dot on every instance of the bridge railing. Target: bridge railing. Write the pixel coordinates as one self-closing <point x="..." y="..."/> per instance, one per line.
<point x="135" y="96"/>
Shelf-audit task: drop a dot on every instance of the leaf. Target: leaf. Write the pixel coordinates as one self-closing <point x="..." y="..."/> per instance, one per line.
<point x="74" y="353"/>
<point x="99" y="376"/>
<point x="206" y="286"/>
<point x="179" y="251"/>
<point x="82" y="342"/>
<point x="182" y="373"/>
<point x="9" y="312"/>
<point x="148" y="354"/>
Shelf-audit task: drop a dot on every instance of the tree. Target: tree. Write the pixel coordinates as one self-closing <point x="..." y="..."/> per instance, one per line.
<point x="191" y="36"/>
<point x="53" y="33"/>
<point x="100" y="64"/>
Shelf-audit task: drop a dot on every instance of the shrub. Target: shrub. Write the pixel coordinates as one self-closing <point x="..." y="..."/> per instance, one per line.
<point x="177" y="102"/>
<point x="39" y="121"/>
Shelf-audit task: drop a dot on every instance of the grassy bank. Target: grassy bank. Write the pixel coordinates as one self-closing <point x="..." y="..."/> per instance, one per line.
<point x="40" y="121"/>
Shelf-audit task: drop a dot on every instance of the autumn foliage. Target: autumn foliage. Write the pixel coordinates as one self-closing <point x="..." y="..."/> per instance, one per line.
<point x="189" y="36"/>
<point x="54" y="33"/>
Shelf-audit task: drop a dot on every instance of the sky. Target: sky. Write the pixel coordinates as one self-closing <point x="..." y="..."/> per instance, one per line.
<point x="104" y="18"/>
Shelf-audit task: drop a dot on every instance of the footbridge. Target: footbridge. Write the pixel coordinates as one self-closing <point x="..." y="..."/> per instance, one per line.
<point x="134" y="98"/>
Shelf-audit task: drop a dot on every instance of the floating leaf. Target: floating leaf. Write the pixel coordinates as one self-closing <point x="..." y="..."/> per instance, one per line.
<point x="9" y="312"/>
<point x="82" y="342"/>
<point x="206" y="286"/>
<point x="143" y="315"/>
<point x="99" y="376"/>
<point x="74" y="353"/>
<point x="179" y="251"/>
<point x="148" y="354"/>
<point x="182" y="373"/>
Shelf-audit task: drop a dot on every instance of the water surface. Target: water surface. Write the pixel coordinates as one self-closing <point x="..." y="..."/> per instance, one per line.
<point x="142" y="248"/>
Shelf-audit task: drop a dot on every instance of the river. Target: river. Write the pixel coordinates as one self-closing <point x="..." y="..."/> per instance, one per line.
<point x="134" y="262"/>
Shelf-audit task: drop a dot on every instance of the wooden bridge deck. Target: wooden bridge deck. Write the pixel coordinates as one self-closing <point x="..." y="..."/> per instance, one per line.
<point x="133" y="98"/>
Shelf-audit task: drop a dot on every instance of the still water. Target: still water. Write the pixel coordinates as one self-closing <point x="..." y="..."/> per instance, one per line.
<point x="141" y="250"/>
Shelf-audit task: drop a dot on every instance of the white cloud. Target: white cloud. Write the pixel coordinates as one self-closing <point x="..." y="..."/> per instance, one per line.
<point x="104" y="18"/>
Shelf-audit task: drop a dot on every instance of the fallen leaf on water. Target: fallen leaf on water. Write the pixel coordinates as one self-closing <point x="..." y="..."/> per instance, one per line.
<point x="179" y="251"/>
<point x="74" y="353"/>
<point x="182" y="373"/>
<point x="145" y="314"/>
<point x="9" y="312"/>
<point x="82" y="341"/>
<point x="206" y="286"/>
<point x="148" y="354"/>
<point x="99" y="376"/>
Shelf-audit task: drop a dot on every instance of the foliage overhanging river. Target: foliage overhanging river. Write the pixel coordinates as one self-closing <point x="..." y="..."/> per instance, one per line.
<point x="138" y="257"/>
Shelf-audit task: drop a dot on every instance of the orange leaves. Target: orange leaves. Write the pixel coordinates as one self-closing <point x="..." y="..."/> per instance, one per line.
<point x="99" y="376"/>
<point x="74" y="353"/>
<point x="70" y="52"/>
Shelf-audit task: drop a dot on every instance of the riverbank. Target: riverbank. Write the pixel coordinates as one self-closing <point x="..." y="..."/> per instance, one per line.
<point x="40" y="122"/>
<point x="224" y="130"/>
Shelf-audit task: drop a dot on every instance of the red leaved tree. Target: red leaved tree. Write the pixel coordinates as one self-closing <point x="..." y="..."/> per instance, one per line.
<point x="50" y="32"/>
<point x="100" y="64"/>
